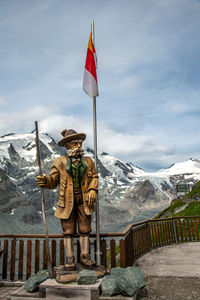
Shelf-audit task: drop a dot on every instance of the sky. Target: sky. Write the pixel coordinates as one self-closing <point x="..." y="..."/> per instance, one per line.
<point x="148" y="51"/>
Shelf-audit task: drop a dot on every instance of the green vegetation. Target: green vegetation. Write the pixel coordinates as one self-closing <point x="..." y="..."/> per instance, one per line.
<point x="192" y="209"/>
<point x="195" y="192"/>
<point x="167" y="212"/>
<point x="191" y="206"/>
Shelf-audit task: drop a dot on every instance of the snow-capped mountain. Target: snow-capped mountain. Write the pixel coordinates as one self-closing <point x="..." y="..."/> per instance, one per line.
<point x="126" y="193"/>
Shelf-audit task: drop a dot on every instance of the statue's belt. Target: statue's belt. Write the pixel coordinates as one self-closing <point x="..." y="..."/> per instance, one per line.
<point x="77" y="191"/>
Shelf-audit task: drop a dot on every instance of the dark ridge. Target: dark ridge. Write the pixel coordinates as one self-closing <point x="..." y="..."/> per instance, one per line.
<point x="139" y="168"/>
<point x="104" y="153"/>
<point x="8" y="134"/>
<point x="130" y="164"/>
<point x="89" y="150"/>
<point x="122" y="166"/>
<point x="170" y="166"/>
<point x="12" y="152"/>
<point x="101" y="169"/>
<point x="51" y="138"/>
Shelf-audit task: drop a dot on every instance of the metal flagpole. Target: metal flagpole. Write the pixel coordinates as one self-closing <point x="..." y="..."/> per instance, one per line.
<point x="95" y="161"/>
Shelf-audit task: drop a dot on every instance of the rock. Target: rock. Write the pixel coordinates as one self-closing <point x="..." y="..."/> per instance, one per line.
<point x="32" y="284"/>
<point x="87" y="277"/>
<point x="135" y="275"/>
<point x="109" y="286"/>
<point x="128" y="279"/>
<point x="142" y="293"/>
<point x="126" y="286"/>
<point x="117" y="272"/>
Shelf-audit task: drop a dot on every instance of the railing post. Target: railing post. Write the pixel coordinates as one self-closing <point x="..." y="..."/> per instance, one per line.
<point x="129" y="248"/>
<point x="113" y="253"/>
<point x="104" y="253"/>
<point x="5" y="260"/>
<point x="123" y="259"/>
<point x="21" y="260"/>
<point x="175" y="234"/>
<point x="149" y="235"/>
<point x="28" y="258"/>
<point x="12" y="262"/>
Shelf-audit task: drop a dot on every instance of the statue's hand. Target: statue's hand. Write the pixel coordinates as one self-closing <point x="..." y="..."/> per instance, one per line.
<point x="42" y="180"/>
<point x="91" y="197"/>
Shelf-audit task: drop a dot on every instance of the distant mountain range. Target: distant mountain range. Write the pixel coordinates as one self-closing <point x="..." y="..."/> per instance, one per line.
<point x="127" y="193"/>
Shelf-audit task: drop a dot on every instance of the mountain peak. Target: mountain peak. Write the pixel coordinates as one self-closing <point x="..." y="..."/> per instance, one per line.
<point x="194" y="159"/>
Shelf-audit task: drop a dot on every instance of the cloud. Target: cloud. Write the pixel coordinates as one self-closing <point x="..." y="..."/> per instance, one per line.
<point x="3" y="102"/>
<point x="115" y="143"/>
<point x="23" y="120"/>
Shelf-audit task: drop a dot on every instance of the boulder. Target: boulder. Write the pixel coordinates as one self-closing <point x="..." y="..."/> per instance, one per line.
<point x="128" y="280"/>
<point x="109" y="286"/>
<point x="117" y="272"/>
<point x="32" y="284"/>
<point x="135" y="275"/>
<point x="126" y="286"/>
<point x="87" y="277"/>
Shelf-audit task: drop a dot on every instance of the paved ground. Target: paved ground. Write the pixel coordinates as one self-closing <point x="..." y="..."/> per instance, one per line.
<point x="7" y="288"/>
<point x="172" y="272"/>
<point x="6" y="291"/>
<point x="182" y="260"/>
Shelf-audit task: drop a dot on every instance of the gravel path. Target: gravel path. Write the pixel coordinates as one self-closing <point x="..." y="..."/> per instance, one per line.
<point x="172" y="288"/>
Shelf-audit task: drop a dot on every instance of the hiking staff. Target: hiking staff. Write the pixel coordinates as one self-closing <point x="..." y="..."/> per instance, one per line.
<point x="49" y="265"/>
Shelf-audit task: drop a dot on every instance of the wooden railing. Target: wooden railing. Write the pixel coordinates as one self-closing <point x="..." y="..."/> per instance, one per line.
<point x="25" y="254"/>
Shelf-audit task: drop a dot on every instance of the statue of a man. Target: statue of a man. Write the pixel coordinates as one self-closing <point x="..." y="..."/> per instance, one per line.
<point x="77" y="178"/>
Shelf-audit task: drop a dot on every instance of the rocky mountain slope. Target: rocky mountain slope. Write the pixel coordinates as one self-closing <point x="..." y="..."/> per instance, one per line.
<point x="127" y="193"/>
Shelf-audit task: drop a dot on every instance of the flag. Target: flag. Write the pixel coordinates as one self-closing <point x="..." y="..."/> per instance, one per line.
<point x="90" y="85"/>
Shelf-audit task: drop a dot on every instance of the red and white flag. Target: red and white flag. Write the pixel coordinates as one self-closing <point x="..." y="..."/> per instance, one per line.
<point x="90" y="85"/>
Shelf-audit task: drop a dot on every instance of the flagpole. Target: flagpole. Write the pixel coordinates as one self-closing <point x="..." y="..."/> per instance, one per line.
<point x="95" y="161"/>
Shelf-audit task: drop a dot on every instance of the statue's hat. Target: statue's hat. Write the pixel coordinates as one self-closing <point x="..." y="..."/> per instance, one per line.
<point x="69" y="135"/>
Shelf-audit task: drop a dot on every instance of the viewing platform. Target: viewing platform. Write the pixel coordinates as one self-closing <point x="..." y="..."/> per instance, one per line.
<point x="166" y="250"/>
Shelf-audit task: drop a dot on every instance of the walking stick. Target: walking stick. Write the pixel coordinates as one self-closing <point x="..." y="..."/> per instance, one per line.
<point x="49" y="265"/>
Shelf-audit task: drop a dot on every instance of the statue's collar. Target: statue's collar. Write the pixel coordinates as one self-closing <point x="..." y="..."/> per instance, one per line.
<point x="82" y="166"/>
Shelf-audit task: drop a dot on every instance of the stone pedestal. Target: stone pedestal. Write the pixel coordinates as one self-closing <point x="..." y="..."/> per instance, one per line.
<point x="63" y="276"/>
<point x="71" y="291"/>
<point x="64" y="286"/>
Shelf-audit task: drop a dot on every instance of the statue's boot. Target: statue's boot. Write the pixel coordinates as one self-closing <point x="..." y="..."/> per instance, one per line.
<point x="69" y="250"/>
<point x="85" y="257"/>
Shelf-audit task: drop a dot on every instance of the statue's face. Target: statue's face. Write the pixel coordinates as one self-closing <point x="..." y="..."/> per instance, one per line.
<point x="74" y="148"/>
<point x="75" y="144"/>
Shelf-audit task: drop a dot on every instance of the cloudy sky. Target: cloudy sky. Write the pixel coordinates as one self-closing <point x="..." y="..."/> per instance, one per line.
<point x="148" y="72"/>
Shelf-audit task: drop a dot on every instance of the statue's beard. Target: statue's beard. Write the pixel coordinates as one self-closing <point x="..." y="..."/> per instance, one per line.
<point x="76" y="153"/>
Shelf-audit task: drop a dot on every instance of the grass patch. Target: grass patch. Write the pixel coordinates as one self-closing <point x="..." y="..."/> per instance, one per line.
<point x="193" y="209"/>
<point x="170" y="209"/>
<point x="195" y="192"/>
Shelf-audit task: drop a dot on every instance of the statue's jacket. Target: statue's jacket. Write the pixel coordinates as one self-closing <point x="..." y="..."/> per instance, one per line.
<point x="61" y="175"/>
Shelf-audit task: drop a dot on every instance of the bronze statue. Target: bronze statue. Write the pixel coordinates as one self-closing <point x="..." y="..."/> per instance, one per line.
<point x="77" y="178"/>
